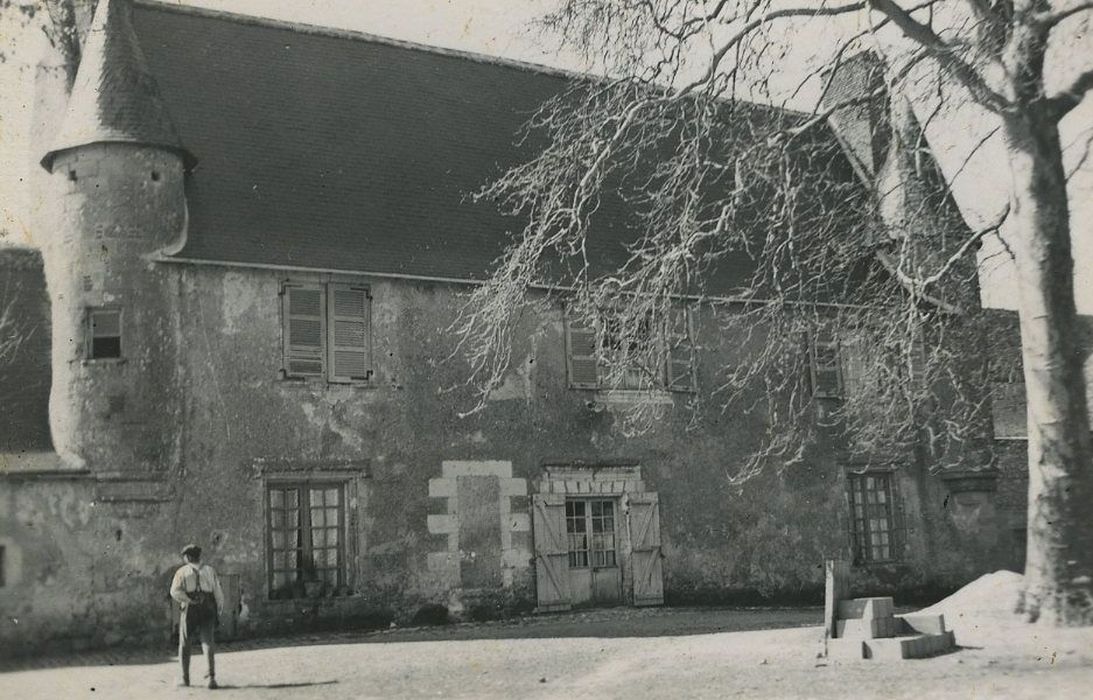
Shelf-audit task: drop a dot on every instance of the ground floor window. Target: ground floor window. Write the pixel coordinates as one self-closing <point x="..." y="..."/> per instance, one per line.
<point x="306" y="540"/>
<point x="872" y="518"/>
<point x="590" y="527"/>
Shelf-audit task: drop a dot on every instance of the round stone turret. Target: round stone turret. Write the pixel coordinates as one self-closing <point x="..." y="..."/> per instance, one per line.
<point x="116" y="198"/>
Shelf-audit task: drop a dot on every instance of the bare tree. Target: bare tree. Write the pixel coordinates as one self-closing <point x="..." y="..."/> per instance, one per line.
<point x="63" y="23"/>
<point x="12" y="334"/>
<point x="706" y="178"/>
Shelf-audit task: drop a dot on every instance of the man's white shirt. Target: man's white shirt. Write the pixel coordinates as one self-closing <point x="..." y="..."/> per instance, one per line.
<point x="186" y="580"/>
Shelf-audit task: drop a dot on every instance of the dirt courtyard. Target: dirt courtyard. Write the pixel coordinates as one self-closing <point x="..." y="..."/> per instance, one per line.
<point x="622" y="653"/>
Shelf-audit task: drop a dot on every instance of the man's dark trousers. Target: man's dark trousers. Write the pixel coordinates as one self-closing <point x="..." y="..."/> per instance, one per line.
<point x="206" y="634"/>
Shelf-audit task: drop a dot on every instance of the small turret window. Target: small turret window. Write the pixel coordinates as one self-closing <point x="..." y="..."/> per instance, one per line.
<point x="104" y="334"/>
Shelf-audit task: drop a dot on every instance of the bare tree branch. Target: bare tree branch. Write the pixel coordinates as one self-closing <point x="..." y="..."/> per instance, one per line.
<point x="946" y="55"/>
<point x="1061" y="104"/>
<point x="956" y="257"/>
<point x="1050" y="19"/>
<point x="752" y="25"/>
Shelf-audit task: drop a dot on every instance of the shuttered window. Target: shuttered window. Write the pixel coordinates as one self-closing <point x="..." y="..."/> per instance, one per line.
<point x="681" y="354"/>
<point x="840" y="365"/>
<point x="1008" y="410"/>
<point x="852" y="364"/>
<point x="305" y="322"/>
<point x="327" y="331"/>
<point x="349" y="337"/>
<point x="581" y="355"/>
<point x="587" y="363"/>
<point x="826" y="366"/>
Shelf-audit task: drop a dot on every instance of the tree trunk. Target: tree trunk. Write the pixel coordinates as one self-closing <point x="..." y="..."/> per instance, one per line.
<point x="1059" y="566"/>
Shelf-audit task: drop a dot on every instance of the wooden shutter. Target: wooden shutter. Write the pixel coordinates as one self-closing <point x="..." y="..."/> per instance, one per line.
<point x="681" y="354"/>
<point x="825" y="366"/>
<point x="645" y="555"/>
<point x="551" y="551"/>
<point x="852" y="364"/>
<point x="581" y="358"/>
<point x="304" y="330"/>
<point x="349" y="333"/>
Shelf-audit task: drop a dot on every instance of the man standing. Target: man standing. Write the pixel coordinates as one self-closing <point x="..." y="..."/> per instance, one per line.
<point x="197" y="590"/>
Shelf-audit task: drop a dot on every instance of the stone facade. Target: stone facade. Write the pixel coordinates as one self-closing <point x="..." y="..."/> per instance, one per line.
<point x="436" y="506"/>
<point x="394" y="500"/>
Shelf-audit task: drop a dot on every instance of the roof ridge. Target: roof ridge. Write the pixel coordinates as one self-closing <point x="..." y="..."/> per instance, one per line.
<point x="357" y="35"/>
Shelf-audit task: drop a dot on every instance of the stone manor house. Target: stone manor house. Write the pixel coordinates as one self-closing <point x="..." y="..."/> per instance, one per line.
<point x="236" y="335"/>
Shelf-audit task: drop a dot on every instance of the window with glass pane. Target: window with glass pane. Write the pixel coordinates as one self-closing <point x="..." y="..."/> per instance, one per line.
<point x="576" y="527"/>
<point x="590" y="525"/>
<point x="872" y="517"/>
<point x="307" y="542"/>
<point x="603" y="533"/>
<point x="104" y="334"/>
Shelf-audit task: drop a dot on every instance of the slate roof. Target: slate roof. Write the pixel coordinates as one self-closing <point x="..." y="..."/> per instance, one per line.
<point x="114" y="98"/>
<point x="335" y="150"/>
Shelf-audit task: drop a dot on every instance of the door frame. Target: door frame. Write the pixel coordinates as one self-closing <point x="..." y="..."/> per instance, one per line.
<point x="617" y="481"/>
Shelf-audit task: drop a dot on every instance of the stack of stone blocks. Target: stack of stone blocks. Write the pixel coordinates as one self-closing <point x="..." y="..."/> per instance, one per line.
<point x="868" y="628"/>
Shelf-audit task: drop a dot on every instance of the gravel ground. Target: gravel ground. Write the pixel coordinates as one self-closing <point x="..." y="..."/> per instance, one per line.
<point x="697" y="653"/>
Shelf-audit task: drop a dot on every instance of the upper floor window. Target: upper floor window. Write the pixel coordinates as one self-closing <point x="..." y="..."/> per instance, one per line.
<point x="327" y="331"/>
<point x="609" y="357"/>
<point x="1009" y="411"/>
<point x="840" y="366"/>
<point x="826" y="362"/>
<point x="103" y="334"/>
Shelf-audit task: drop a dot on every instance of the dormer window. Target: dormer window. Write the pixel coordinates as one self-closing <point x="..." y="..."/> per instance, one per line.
<point x="103" y="334"/>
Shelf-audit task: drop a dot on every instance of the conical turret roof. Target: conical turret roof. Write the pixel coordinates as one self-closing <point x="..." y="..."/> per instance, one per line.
<point x="115" y="99"/>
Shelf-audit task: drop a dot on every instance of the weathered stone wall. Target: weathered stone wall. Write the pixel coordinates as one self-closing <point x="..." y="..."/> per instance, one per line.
<point x="81" y="569"/>
<point x="420" y="478"/>
<point x="115" y="206"/>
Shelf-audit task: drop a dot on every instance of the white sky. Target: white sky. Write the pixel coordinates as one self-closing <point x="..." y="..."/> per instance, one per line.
<point x="500" y="27"/>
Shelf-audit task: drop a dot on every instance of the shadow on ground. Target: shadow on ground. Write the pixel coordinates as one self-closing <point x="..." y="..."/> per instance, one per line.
<point x="603" y="623"/>
<point x="274" y="686"/>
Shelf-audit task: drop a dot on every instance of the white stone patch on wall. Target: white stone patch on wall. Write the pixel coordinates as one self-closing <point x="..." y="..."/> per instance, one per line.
<point x="240" y="298"/>
<point x="517" y="383"/>
<point x="447" y="564"/>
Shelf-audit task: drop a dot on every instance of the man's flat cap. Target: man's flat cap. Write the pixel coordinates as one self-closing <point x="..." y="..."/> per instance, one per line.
<point x="191" y="550"/>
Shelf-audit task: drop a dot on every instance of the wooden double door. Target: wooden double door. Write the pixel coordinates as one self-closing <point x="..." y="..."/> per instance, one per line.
<point x="597" y="550"/>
